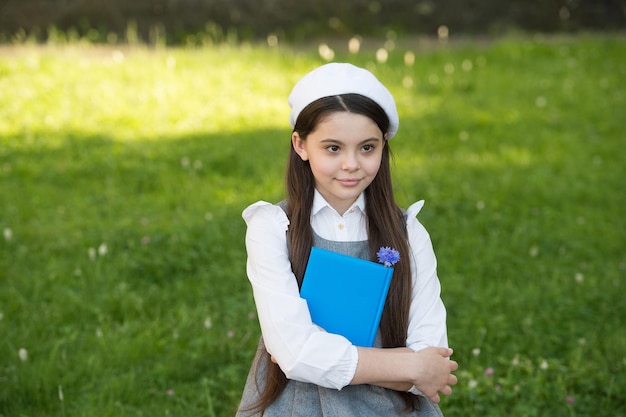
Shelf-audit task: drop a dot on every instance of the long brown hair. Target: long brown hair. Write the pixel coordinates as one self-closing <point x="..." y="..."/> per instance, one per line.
<point x="386" y="226"/>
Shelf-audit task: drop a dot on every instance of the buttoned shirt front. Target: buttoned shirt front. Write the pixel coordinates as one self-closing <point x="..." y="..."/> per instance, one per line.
<point x="327" y="223"/>
<point x="303" y="351"/>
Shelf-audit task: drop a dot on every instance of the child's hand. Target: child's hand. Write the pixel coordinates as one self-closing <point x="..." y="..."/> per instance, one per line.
<point x="433" y="372"/>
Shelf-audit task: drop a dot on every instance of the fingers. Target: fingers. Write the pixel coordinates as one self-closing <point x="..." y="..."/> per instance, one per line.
<point x="435" y="398"/>
<point x="444" y="351"/>
<point x="447" y="390"/>
<point x="453" y="380"/>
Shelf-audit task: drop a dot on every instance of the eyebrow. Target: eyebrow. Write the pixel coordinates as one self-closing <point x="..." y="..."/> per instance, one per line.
<point x="338" y="142"/>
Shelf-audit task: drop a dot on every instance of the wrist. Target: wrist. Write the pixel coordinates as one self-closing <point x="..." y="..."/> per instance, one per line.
<point x="403" y="366"/>
<point x="388" y="365"/>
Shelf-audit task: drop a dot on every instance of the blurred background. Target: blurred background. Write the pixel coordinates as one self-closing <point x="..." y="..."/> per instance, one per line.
<point x="297" y="20"/>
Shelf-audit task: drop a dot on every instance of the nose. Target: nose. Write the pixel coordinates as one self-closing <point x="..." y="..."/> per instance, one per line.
<point x="350" y="162"/>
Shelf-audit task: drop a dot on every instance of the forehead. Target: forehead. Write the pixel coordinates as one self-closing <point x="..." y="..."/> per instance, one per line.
<point x="343" y="124"/>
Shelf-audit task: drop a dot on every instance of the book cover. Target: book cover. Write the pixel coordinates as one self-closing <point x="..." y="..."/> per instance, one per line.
<point x="346" y="295"/>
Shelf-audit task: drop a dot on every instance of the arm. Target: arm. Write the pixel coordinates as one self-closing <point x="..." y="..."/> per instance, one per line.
<point x="302" y="350"/>
<point x="400" y="369"/>
<point x="429" y="370"/>
<point x="427" y="317"/>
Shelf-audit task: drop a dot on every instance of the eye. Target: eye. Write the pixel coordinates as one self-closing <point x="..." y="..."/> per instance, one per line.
<point x="367" y="148"/>
<point x="332" y="148"/>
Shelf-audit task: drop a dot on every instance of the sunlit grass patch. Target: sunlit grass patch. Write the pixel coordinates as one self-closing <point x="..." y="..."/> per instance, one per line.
<point x="129" y="93"/>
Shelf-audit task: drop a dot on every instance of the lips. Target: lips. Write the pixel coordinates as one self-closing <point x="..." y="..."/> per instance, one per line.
<point x="349" y="182"/>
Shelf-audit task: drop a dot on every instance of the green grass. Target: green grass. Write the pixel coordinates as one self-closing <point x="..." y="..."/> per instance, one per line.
<point x="123" y="173"/>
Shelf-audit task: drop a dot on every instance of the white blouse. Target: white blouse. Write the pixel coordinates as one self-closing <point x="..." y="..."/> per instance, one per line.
<point x="302" y="350"/>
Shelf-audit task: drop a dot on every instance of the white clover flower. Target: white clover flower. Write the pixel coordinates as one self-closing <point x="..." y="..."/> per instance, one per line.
<point x="382" y="55"/>
<point x="409" y="58"/>
<point x="325" y="52"/>
<point x="8" y="234"/>
<point x="354" y="45"/>
<point x="467" y="65"/>
<point x="272" y="40"/>
<point x="443" y="33"/>
<point x="102" y="249"/>
<point x="23" y="354"/>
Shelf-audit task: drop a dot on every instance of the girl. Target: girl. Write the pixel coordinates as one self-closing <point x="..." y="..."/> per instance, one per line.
<point x="339" y="197"/>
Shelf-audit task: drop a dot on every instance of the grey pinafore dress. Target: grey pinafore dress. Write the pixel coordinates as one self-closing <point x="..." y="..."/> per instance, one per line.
<point x="301" y="399"/>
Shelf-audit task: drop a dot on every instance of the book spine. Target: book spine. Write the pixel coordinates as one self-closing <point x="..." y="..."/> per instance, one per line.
<point x="381" y="305"/>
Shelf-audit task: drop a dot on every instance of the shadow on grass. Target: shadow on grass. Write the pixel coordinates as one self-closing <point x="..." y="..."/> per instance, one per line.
<point x="133" y="251"/>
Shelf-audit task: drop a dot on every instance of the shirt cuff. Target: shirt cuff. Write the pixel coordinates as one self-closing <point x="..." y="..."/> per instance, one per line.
<point x="415" y="391"/>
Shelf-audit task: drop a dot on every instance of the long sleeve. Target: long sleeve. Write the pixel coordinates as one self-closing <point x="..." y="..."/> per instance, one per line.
<point x="427" y="321"/>
<point x="302" y="350"/>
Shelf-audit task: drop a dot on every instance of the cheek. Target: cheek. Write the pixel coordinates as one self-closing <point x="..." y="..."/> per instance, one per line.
<point x="320" y="169"/>
<point x="372" y="166"/>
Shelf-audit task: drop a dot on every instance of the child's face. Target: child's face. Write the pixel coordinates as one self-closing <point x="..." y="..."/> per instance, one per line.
<point x="344" y="153"/>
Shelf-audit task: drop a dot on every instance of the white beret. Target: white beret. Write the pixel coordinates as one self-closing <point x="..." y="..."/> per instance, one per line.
<point x="341" y="78"/>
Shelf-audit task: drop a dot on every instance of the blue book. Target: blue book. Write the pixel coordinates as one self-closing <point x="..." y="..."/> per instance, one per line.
<point x="346" y="295"/>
